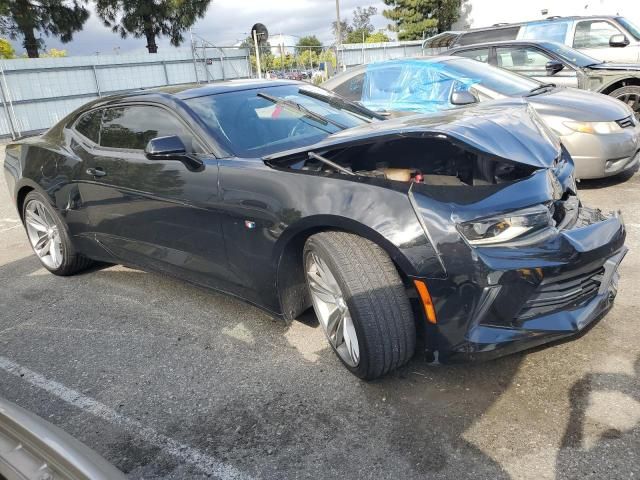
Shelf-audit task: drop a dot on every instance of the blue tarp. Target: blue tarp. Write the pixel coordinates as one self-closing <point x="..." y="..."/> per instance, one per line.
<point x="413" y="85"/>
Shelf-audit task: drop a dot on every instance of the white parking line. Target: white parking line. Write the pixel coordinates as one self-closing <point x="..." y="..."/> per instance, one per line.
<point x="182" y="452"/>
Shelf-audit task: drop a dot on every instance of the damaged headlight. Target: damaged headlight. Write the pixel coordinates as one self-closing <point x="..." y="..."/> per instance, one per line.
<point x="504" y="228"/>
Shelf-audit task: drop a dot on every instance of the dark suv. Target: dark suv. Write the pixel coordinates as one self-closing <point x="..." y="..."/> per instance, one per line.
<point x="551" y="62"/>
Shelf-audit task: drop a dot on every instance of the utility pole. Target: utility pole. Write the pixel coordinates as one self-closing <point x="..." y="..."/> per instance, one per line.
<point x="255" y="42"/>
<point x="339" y="32"/>
<point x="282" y="54"/>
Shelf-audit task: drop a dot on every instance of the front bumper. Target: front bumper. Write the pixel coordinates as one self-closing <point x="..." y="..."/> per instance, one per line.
<point x="597" y="156"/>
<point x="525" y="297"/>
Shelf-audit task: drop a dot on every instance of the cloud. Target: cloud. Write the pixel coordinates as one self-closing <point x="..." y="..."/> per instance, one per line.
<point x="228" y="21"/>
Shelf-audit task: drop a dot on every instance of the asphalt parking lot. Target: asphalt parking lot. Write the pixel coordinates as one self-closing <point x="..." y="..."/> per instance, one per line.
<point x="169" y="381"/>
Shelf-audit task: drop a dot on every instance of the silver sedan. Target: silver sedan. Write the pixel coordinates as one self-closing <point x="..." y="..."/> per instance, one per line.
<point x="601" y="133"/>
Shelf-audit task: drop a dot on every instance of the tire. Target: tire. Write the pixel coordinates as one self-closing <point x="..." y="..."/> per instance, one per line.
<point x="45" y="227"/>
<point x="629" y="95"/>
<point x="372" y="298"/>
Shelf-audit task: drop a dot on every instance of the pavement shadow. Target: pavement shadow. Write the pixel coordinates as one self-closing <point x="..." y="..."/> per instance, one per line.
<point x="616" y="391"/>
<point x="279" y="420"/>
<point x="606" y="182"/>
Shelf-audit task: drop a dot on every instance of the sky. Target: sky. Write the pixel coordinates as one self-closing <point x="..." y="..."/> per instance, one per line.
<point x="227" y="22"/>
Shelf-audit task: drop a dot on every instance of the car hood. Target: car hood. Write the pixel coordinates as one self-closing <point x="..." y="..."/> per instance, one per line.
<point x="508" y="129"/>
<point x="579" y="105"/>
<point x="615" y="67"/>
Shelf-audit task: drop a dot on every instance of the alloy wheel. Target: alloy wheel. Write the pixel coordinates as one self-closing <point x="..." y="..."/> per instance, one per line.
<point x="332" y="310"/>
<point x="633" y="100"/>
<point x="43" y="234"/>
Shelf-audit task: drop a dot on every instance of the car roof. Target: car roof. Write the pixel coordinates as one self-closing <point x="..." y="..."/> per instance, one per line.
<point x="191" y="90"/>
<point x="184" y="92"/>
<point x="541" y="20"/>
<point x="542" y="43"/>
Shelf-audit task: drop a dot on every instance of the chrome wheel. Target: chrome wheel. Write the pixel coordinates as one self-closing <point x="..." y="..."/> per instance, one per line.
<point x="43" y="234"/>
<point x="331" y="310"/>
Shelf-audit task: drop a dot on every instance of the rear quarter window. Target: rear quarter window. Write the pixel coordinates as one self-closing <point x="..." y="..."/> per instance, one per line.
<point x="485" y="36"/>
<point x="351" y="89"/>
<point x="88" y="125"/>
<point x="479" y="54"/>
<point x="552" y="31"/>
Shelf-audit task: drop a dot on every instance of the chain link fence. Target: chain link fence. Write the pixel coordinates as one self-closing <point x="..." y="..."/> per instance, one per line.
<point x="37" y="93"/>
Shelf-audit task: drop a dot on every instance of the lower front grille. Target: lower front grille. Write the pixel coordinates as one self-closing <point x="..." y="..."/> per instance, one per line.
<point x="563" y="294"/>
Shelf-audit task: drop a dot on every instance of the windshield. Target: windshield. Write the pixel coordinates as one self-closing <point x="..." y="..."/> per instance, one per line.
<point x="492" y="78"/>
<point x="258" y="122"/>
<point x="570" y="55"/>
<point x="631" y="28"/>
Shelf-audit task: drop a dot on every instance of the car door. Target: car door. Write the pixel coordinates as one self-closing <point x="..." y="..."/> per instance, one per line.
<point x="532" y="62"/>
<point x="160" y="214"/>
<point x="592" y="37"/>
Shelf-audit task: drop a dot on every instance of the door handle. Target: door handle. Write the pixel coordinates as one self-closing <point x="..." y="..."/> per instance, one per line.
<point x="96" y="172"/>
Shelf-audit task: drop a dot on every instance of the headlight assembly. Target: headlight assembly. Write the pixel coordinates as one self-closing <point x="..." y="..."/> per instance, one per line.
<point x="593" y="127"/>
<point x="504" y="228"/>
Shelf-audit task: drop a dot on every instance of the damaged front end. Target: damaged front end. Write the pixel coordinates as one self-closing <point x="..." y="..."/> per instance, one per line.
<point x="523" y="262"/>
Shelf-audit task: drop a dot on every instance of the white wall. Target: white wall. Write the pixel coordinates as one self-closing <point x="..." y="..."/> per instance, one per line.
<point x="483" y="13"/>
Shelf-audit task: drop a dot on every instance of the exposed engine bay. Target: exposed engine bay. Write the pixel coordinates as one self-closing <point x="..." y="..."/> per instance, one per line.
<point x="429" y="161"/>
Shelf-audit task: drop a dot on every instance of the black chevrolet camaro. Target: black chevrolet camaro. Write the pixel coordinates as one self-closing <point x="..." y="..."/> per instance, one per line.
<point x="461" y="229"/>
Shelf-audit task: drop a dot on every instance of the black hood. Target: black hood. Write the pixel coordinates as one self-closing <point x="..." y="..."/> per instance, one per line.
<point x="508" y="129"/>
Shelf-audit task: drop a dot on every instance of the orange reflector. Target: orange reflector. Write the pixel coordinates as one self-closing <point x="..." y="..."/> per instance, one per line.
<point x="429" y="310"/>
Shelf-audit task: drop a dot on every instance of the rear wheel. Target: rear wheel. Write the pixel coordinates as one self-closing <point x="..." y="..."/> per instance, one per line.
<point x="49" y="238"/>
<point x="629" y="95"/>
<point x="360" y="302"/>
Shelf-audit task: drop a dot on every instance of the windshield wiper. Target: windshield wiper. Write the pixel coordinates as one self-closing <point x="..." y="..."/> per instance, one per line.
<point x="296" y="106"/>
<point x="542" y="88"/>
<point x="343" y="104"/>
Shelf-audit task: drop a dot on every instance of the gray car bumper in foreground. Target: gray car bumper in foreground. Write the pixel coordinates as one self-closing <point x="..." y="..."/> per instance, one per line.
<point x="31" y="448"/>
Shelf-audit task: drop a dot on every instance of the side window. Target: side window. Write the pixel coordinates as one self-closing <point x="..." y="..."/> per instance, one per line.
<point x="132" y="127"/>
<point x="521" y="59"/>
<point x="493" y="35"/>
<point x="352" y="88"/>
<point x="479" y="54"/>
<point x="551" y="30"/>
<point x="594" y="34"/>
<point x="88" y="125"/>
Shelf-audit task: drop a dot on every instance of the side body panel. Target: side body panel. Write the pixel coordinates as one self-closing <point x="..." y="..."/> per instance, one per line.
<point x="266" y="208"/>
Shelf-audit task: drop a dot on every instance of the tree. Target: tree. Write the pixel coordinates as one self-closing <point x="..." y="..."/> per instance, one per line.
<point x="415" y="19"/>
<point x="345" y="28"/>
<point x="361" y="26"/>
<point x="54" y="53"/>
<point x="27" y="18"/>
<point x="308" y="58"/>
<point x="362" y="19"/>
<point x="6" y="49"/>
<point x="378" y="37"/>
<point x="151" y="18"/>
<point x="309" y="42"/>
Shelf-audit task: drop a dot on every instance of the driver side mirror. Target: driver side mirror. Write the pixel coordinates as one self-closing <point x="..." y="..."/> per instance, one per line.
<point x="553" y="67"/>
<point x="463" y="97"/>
<point x="171" y="148"/>
<point x="618" y="40"/>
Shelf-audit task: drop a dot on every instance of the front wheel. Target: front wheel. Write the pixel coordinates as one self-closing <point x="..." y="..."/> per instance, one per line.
<point x="360" y="302"/>
<point x="629" y="95"/>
